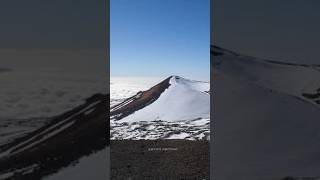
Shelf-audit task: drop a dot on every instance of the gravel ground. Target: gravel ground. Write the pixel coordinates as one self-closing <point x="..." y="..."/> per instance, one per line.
<point x="159" y="159"/>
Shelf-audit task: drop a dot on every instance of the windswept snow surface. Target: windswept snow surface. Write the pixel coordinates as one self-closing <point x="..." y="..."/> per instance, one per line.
<point x="266" y="127"/>
<point x="182" y="111"/>
<point x="183" y="100"/>
<point x="290" y="79"/>
<point x="197" y="129"/>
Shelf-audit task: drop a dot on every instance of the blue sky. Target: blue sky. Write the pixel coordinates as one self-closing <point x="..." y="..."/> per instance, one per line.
<point x="286" y="30"/>
<point x="160" y="38"/>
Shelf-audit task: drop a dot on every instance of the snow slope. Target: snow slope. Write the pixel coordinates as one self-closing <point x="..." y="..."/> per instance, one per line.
<point x="175" y="108"/>
<point x="290" y="79"/>
<point x="183" y="100"/>
<point x="265" y="125"/>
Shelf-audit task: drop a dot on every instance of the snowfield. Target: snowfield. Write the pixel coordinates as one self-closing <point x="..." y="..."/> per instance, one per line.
<point x="183" y="100"/>
<point x="266" y="116"/>
<point x="291" y="79"/>
<point x="197" y="129"/>
<point x="182" y="111"/>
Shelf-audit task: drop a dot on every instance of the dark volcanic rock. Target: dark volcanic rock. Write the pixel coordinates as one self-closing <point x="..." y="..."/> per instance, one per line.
<point x="66" y="138"/>
<point x="139" y="101"/>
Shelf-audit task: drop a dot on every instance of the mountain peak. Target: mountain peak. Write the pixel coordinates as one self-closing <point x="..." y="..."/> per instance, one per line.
<point x="175" y="93"/>
<point x="175" y="76"/>
<point x="178" y="80"/>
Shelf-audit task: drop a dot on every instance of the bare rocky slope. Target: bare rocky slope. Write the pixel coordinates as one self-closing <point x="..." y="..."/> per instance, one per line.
<point x="68" y="137"/>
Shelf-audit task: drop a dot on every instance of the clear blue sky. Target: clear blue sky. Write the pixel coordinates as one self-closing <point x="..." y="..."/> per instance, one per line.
<point x="160" y="38"/>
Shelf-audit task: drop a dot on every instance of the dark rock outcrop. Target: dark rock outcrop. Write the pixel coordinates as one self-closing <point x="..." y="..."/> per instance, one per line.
<point x="139" y="101"/>
<point x="68" y="137"/>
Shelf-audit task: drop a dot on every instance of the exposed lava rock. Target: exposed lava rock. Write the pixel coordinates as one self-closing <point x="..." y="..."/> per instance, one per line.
<point x="139" y="101"/>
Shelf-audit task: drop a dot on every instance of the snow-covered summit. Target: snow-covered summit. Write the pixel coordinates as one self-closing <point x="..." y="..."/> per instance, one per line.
<point x="192" y="84"/>
<point x="182" y="99"/>
<point x="175" y="108"/>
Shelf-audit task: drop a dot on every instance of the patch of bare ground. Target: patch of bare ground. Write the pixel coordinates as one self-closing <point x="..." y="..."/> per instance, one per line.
<point x="159" y="159"/>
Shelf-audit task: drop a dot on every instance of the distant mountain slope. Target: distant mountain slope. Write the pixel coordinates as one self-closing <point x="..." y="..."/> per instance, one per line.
<point x="176" y="108"/>
<point x="65" y="139"/>
<point x="174" y="99"/>
<point x="299" y="80"/>
<point x="266" y="117"/>
<point x="138" y="101"/>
